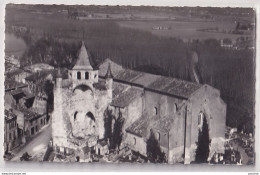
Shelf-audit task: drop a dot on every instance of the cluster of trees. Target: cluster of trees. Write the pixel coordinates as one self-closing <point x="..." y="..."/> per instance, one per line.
<point x="153" y="150"/>
<point x="48" y="89"/>
<point x="50" y="51"/>
<point x="202" y="151"/>
<point x="231" y="71"/>
<point x="113" y="129"/>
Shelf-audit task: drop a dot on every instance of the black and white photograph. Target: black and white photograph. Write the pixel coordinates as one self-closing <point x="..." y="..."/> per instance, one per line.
<point x="129" y="84"/>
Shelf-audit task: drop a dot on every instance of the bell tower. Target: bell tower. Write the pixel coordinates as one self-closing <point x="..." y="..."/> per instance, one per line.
<point x="83" y="72"/>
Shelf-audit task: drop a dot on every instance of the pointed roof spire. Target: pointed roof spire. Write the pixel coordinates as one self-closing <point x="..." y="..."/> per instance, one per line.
<point x="109" y="72"/>
<point x="83" y="61"/>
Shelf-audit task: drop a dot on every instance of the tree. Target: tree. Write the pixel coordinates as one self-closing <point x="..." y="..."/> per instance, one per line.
<point x="117" y="132"/>
<point x="153" y="150"/>
<point x="108" y="117"/>
<point x="202" y="152"/>
<point x="48" y="89"/>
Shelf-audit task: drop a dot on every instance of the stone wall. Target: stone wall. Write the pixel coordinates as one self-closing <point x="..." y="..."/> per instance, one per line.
<point x="136" y="143"/>
<point x="207" y="100"/>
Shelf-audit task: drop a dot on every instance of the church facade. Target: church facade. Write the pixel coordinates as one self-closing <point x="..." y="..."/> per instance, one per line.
<point x="173" y="109"/>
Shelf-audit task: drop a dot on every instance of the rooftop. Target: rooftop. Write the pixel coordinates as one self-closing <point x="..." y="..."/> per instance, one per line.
<point x="126" y="97"/>
<point x="160" y="84"/>
<point x="118" y="88"/>
<point x="29" y="114"/>
<point x="115" y="68"/>
<point x="38" y="67"/>
<point x="128" y="75"/>
<point x="146" y="79"/>
<point x="34" y="77"/>
<point x="16" y="92"/>
<point x="83" y="61"/>
<point x="139" y="127"/>
<point x="175" y="87"/>
<point x="9" y="115"/>
<point x="11" y="84"/>
<point x="164" y="123"/>
<point x="181" y="88"/>
<point x="13" y="73"/>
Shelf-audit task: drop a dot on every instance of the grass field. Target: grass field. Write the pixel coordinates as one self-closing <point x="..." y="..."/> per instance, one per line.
<point x="183" y="27"/>
<point x="184" y="30"/>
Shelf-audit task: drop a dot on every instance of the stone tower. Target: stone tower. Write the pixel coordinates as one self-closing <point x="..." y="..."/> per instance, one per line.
<point x="83" y="72"/>
<point x="58" y="125"/>
<point x="109" y="83"/>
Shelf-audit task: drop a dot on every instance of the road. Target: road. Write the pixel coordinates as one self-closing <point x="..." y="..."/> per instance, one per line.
<point x="36" y="145"/>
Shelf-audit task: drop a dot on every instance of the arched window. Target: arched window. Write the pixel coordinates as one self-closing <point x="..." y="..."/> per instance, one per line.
<point x="86" y="75"/>
<point x="78" y="75"/>
<point x="200" y="118"/>
<point x="75" y="115"/>
<point x="175" y="108"/>
<point x="158" y="136"/>
<point x="134" y="141"/>
<point x="155" y="110"/>
<point x="91" y="116"/>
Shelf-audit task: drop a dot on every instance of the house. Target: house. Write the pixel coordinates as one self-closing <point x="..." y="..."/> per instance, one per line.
<point x="29" y="122"/>
<point x="38" y="67"/>
<point x="10" y="131"/>
<point x="17" y="93"/>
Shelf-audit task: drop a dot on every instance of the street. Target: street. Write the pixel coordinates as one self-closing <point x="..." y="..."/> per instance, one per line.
<point x="36" y="145"/>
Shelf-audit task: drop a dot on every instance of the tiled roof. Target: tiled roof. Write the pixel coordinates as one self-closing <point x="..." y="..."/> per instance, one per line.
<point x="128" y="75"/>
<point x="164" y="123"/>
<point x="38" y="66"/>
<point x="13" y="73"/>
<point x="9" y="115"/>
<point x="29" y="114"/>
<point x="126" y="97"/>
<point x="11" y="84"/>
<point x="161" y="84"/>
<point x="16" y="92"/>
<point x="39" y="75"/>
<point x="146" y="79"/>
<point x="83" y="61"/>
<point x="139" y="127"/>
<point x="115" y="68"/>
<point x="173" y="86"/>
<point x="118" y="88"/>
<point x="181" y="88"/>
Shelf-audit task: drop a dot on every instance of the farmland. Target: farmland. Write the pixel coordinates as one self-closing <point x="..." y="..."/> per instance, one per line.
<point x="186" y="26"/>
<point x="183" y="29"/>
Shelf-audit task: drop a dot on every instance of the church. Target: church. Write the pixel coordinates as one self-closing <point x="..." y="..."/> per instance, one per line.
<point x="173" y="109"/>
